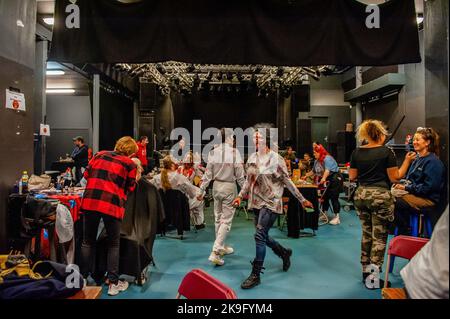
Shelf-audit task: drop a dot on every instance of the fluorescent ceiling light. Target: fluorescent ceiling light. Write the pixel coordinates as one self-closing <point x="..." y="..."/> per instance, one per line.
<point x="60" y="91"/>
<point x="419" y="20"/>
<point x="55" y="72"/>
<point x="49" y="21"/>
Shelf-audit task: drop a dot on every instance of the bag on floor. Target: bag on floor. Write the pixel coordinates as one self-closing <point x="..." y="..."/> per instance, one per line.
<point x="45" y="280"/>
<point x="18" y="266"/>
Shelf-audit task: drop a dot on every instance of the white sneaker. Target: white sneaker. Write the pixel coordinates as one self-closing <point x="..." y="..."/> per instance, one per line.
<point x="216" y="260"/>
<point x="121" y="286"/>
<point x="335" y="221"/>
<point x="227" y="251"/>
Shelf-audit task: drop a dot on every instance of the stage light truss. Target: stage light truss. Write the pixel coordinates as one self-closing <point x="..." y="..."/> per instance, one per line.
<point x="185" y="77"/>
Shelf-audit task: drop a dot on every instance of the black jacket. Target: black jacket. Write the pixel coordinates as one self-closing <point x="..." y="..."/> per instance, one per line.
<point x="144" y="212"/>
<point x="80" y="156"/>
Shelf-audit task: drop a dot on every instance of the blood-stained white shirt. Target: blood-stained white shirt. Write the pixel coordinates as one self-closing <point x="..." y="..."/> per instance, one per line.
<point x="178" y="182"/>
<point x="267" y="175"/>
<point x="224" y="165"/>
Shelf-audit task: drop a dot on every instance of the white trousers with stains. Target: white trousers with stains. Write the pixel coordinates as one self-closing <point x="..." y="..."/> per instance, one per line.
<point x="223" y="193"/>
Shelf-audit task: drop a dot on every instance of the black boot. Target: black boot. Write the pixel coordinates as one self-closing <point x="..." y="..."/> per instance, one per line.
<point x="254" y="279"/>
<point x="285" y="254"/>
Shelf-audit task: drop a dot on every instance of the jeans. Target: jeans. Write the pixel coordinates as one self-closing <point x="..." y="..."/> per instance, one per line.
<point x="264" y="220"/>
<point x="90" y="228"/>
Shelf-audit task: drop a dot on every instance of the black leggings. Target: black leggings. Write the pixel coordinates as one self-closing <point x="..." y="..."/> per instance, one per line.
<point x="90" y="228"/>
<point x="332" y="193"/>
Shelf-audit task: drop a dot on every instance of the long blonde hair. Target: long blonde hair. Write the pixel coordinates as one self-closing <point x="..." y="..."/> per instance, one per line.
<point x="167" y="165"/>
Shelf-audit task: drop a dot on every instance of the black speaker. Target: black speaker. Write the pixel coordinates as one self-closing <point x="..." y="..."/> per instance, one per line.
<point x="148" y="96"/>
<point x="304" y="139"/>
<point x="301" y="99"/>
<point x="346" y="144"/>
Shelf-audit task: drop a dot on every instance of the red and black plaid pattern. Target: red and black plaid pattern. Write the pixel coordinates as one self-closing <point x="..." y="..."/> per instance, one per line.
<point x="110" y="177"/>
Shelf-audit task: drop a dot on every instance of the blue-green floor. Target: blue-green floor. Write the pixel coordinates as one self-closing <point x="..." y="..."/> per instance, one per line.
<point x="323" y="267"/>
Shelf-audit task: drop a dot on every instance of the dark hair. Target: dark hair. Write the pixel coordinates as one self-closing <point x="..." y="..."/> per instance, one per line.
<point x="143" y="138"/>
<point x="225" y="133"/>
<point x="264" y="130"/>
<point x="428" y="134"/>
<point x="80" y="139"/>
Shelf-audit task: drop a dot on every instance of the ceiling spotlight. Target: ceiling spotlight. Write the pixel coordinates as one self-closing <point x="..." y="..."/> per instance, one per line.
<point x="161" y="68"/>
<point x="176" y="81"/>
<point x="258" y="69"/>
<point x="49" y="20"/>
<point x="191" y="68"/>
<point x="280" y="72"/>
<point x="196" y="80"/>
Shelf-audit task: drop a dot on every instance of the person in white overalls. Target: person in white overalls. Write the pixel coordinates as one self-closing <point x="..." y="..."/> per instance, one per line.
<point x="225" y="166"/>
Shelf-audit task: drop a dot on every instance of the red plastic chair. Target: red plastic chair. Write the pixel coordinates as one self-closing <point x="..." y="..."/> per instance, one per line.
<point x="404" y="247"/>
<point x="197" y="284"/>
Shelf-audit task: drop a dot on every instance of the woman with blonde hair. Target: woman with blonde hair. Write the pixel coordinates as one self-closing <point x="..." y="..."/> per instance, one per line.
<point x="375" y="167"/>
<point x="110" y="176"/>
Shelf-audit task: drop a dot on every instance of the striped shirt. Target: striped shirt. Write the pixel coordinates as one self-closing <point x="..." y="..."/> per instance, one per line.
<point x="110" y="177"/>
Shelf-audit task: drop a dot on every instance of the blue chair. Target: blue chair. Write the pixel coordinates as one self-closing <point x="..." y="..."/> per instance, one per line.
<point x="416" y="222"/>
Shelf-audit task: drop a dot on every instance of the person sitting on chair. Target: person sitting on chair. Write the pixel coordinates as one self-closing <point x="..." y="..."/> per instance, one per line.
<point x="196" y="206"/>
<point x="306" y="165"/>
<point x="169" y="178"/>
<point x="423" y="181"/>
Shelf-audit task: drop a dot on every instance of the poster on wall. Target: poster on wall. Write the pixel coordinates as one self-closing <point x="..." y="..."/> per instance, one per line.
<point x="15" y="101"/>
<point x="45" y="130"/>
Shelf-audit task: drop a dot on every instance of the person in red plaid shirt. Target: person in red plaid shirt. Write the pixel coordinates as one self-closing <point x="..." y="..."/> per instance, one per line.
<point x="110" y="177"/>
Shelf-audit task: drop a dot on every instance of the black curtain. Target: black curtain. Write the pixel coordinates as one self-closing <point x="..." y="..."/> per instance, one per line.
<point x="272" y="32"/>
<point x="244" y="109"/>
<point x="116" y="118"/>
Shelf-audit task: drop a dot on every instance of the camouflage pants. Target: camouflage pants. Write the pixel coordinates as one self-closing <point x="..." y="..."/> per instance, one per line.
<point x="375" y="206"/>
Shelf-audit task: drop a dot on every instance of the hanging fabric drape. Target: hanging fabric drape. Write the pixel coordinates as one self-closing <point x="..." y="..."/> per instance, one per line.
<point x="270" y="32"/>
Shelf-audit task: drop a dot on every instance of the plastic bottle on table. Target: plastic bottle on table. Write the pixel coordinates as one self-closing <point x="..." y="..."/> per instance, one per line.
<point x="23" y="184"/>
